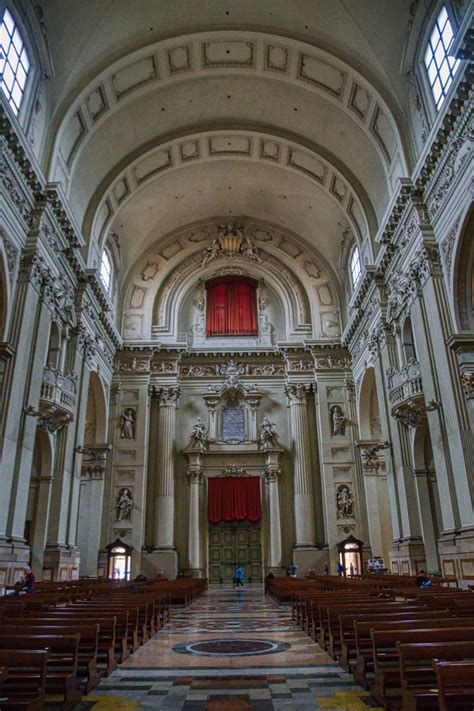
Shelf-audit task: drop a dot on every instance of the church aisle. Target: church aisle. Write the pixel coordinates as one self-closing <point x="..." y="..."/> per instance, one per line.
<point x="232" y="649"/>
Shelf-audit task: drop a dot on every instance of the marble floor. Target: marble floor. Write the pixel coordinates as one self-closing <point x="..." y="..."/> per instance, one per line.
<point x="232" y="649"/>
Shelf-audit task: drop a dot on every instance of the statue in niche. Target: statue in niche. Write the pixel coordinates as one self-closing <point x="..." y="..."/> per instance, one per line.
<point x="268" y="435"/>
<point x="198" y="434"/>
<point x="344" y="501"/>
<point x="338" y="421"/>
<point x="127" y="426"/>
<point x="124" y="505"/>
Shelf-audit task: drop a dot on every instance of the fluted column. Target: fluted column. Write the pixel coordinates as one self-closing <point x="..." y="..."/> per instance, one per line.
<point x="164" y="498"/>
<point x="194" y="535"/>
<point x="272" y="476"/>
<point x="303" y="486"/>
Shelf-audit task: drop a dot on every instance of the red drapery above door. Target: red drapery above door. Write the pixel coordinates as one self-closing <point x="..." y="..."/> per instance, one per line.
<point x="234" y="499"/>
<point x="231" y="306"/>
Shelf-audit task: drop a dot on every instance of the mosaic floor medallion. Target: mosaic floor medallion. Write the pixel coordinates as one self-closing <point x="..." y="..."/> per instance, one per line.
<point x="232" y="647"/>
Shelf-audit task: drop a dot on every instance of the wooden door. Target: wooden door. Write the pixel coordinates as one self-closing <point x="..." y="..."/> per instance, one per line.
<point x="233" y="544"/>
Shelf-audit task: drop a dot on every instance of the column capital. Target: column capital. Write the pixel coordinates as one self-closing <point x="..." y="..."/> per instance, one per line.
<point x="194" y="476"/>
<point x="297" y="393"/>
<point x="167" y="395"/>
<point x="272" y="474"/>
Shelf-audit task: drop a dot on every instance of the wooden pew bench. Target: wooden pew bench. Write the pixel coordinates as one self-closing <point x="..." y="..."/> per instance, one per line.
<point x="87" y="672"/>
<point x="110" y="648"/>
<point x="419" y="684"/>
<point x="364" y="666"/>
<point x="455" y="681"/>
<point x="24" y="685"/>
<point x="61" y="667"/>
<point x="348" y="655"/>
<point x="333" y="623"/>
<point x="387" y="680"/>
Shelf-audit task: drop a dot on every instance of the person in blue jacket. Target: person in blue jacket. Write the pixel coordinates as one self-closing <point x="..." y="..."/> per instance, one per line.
<point x="239" y="576"/>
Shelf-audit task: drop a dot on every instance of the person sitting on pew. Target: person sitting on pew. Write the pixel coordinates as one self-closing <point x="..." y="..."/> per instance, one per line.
<point x="422" y="580"/>
<point x="26" y="584"/>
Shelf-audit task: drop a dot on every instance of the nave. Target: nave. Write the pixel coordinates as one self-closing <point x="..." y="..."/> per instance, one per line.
<point x="231" y="649"/>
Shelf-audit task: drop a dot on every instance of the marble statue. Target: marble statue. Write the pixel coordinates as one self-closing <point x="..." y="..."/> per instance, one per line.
<point x="198" y="433"/>
<point x="124" y="505"/>
<point x="344" y="501"/>
<point x="268" y="435"/>
<point x="338" y="421"/>
<point x="127" y="427"/>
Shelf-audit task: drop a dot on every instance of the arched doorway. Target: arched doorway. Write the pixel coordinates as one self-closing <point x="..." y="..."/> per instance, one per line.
<point x="39" y="497"/>
<point x="428" y="496"/>
<point x="375" y="475"/>
<point x="91" y="497"/>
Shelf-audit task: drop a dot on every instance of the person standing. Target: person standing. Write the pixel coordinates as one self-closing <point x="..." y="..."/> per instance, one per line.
<point x="239" y="576"/>
<point x="340" y="569"/>
<point x="326" y="568"/>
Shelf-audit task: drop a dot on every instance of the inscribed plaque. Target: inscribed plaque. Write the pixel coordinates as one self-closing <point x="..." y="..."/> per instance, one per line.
<point x="233" y="422"/>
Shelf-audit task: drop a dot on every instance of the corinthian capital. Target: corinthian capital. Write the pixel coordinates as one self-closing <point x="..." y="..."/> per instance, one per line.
<point x="297" y="392"/>
<point x="167" y="395"/>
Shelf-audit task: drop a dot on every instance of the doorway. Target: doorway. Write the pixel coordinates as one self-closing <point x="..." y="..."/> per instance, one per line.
<point x="233" y="544"/>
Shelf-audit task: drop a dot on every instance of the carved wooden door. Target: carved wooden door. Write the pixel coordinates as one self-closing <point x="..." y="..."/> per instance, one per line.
<point x="233" y="544"/>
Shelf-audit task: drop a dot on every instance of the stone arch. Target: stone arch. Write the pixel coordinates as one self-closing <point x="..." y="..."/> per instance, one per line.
<point x="463" y="274"/>
<point x="427" y="493"/>
<point x="290" y="154"/>
<point x="369" y="413"/>
<point x="408" y="340"/>
<point x="95" y="431"/>
<point x="37" y="513"/>
<point x="159" y="282"/>
<point x="146" y="69"/>
<point x="54" y="347"/>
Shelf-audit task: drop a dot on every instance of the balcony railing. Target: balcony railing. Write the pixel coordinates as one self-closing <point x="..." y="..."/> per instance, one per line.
<point x="58" y="394"/>
<point x="405" y="385"/>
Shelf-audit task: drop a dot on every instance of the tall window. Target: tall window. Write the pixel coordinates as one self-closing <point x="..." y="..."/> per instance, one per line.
<point x="440" y="67"/>
<point x="106" y="270"/>
<point x="14" y="62"/>
<point x="355" y="266"/>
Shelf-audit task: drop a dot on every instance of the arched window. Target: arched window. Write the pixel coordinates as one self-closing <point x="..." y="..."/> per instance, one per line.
<point x="14" y="62"/>
<point x="355" y="266"/>
<point x="106" y="271"/>
<point x="440" y="67"/>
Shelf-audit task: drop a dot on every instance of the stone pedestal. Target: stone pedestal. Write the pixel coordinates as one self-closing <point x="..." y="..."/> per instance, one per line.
<point x="161" y="561"/>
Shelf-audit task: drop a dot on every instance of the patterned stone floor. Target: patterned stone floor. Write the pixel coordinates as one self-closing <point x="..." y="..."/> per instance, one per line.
<point x="230" y="650"/>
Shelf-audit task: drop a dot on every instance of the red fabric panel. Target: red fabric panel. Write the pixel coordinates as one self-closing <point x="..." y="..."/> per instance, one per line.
<point x="231" y="306"/>
<point x="234" y="499"/>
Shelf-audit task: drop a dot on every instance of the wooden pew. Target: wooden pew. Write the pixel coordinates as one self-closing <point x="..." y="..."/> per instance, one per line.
<point x="419" y="690"/>
<point x="455" y="681"/>
<point x="364" y="666"/>
<point x="333" y="614"/>
<point x="110" y="648"/>
<point x="61" y="666"/>
<point x="87" y="672"/>
<point x="347" y="622"/>
<point x="24" y="686"/>
<point x="387" y="679"/>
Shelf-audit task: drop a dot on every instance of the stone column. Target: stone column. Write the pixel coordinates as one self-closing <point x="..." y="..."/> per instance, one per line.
<point x="303" y="487"/>
<point x="91" y="498"/>
<point x="165" y="556"/>
<point x="428" y="526"/>
<point x="272" y="475"/>
<point x="194" y="532"/>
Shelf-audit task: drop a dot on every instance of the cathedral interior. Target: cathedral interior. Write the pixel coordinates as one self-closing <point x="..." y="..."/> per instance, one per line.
<point x="236" y="288"/>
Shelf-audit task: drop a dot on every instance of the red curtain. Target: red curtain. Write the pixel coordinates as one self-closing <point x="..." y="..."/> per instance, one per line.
<point x="231" y="306"/>
<point x="234" y="499"/>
